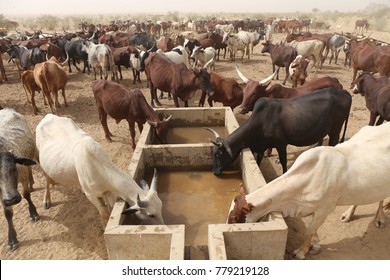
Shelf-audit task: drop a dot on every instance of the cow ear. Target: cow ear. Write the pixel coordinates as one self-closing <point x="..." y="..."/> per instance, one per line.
<point x="24" y="161"/>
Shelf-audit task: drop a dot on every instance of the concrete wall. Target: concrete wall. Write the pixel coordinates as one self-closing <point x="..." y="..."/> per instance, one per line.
<point x="265" y="240"/>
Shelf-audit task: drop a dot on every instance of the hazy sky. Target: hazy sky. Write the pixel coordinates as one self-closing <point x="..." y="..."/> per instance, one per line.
<point x="36" y="7"/>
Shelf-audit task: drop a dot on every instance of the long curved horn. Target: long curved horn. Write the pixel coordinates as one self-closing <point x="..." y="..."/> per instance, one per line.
<point x="242" y="77"/>
<point x="153" y="185"/>
<point x="269" y="79"/>
<point x="213" y="132"/>
<point x="66" y="60"/>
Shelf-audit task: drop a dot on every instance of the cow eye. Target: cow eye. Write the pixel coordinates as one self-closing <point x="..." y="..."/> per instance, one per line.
<point x="151" y="216"/>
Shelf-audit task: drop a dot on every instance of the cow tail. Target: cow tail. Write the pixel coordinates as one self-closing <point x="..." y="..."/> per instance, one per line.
<point x="142" y="64"/>
<point x="346" y="124"/>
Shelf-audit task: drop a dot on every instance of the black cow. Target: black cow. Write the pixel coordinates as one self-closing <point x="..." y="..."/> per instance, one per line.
<point x="26" y="59"/>
<point x="142" y="39"/>
<point x="73" y="48"/>
<point x="275" y="123"/>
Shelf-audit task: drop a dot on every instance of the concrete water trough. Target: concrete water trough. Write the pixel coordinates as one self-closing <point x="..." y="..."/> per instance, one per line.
<point x="195" y="202"/>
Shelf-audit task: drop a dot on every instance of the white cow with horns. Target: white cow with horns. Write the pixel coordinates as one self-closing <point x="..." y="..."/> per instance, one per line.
<point x="355" y="172"/>
<point x="69" y="156"/>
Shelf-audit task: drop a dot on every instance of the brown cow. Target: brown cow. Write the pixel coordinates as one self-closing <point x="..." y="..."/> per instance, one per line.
<point x="376" y="91"/>
<point x="227" y="91"/>
<point x="30" y="87"/>
<point x="122" y="58"/>
<point x="370" y="58"/>
<point x="51" y="77"/>
<point x="255" y="90"/>
<point x="298" y="70"/>
<point x="120" y="103"/>
<point x="281" y="56"/>
<point x="165" y="43"/>
<point x="177" y="79"/>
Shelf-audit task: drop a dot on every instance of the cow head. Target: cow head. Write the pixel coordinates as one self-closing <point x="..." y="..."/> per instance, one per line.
<point x="240" y="208"/>
<point x="148" y="210"/>
<point x="161" y="128"/>
<point x="358" y="83"/>
<point x="222" y="153"/>
<point x="253" y="90"/>
<point x="9" y="177"/>
<point x="203" y="80"/>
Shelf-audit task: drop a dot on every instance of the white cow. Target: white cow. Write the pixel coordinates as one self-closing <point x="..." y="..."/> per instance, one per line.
<point x="100" y="57"/>
<point x="204" y="57"/>
<point x="310" y="48"/>
<point x="177" y="55"/>
<point x="69" y="156"/>
<point x="355" y="172"/>
<point x="237" y="42"/>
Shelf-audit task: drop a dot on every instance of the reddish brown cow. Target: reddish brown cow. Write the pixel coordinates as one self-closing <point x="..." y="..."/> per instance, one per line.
<point x="122" y="104"/>
<point x="122" y="58"/>
<point x="227" y="91"/>
<point x="281" y="56"/>
<point x="255" y="90"/>
<point x="376" y="91"/>
<point x="51" y="77"/>
<point x="52" y="50"/>
<point x="30" y="87"/>
<point x="165" y="43"/>
<point x="298" y="70"/>
<point x="369" y="58"/>
<point x="177" y="79"/>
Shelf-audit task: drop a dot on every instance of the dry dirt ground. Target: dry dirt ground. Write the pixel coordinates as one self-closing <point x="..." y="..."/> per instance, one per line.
<point x="71" y="228"/>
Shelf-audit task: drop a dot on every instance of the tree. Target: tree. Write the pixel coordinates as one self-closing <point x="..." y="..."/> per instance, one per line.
<point x="47" y="21"/>
<point x="315" y="10"/>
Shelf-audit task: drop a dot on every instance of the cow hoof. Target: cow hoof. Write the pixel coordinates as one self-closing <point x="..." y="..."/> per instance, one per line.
<point x="345" y="218"/>
<point x="35" y="218"/>
<point x="380" y="224"/>
<point x="315" y="249"/>
<point x="13" y="246"/>
<point x="46" y="205"/>
<point x="298" y="255"/>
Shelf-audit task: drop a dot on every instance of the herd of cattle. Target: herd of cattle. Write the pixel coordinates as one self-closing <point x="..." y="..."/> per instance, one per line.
<point x="180" y="65"/>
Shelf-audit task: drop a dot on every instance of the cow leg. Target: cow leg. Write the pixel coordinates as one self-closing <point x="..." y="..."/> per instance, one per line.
<point x="380" y="216"/>
<point x="103" y="121"/>
<point x="380" y="120"/>
<point x="318" y="219"/>
<point x="347" y="215"/>
<point x="30" y="178"/>
<point x="176" y="101"/>
<point x="373" y="116"/>
<point x="31" y="207"/>
<point x="101" y="207"/>
<point x="287" y="75"/>
<point x="34" y="106"/>
<point x="210" y="101"/>
<point x="47" y="198"/>
<point x="64" y="96"/>
<point x="138" y="75"/>
<point x="202" y="99"/>
<point x="120" y="74"/>
<point x="282" y="157"/>
<point x="75" y="65"/>
<point x="186" y="103"/>
<point x="12" y="239"/>
<point x="132" y="134"/>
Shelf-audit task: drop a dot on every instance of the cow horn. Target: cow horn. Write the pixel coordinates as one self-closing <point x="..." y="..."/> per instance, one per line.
<point x="153" y="186"/>
<point x="242" y="77"/>
<point x="208" y="63"/>
<point x="66" y="60"/>
<point x="213" y="132"/>
<point x="269" y="79"/>
<point x="167" y="119"/>
<point x="47" y="58"/>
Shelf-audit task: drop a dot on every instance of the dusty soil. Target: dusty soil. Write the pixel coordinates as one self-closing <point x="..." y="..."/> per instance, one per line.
<point x="71" y="228"/>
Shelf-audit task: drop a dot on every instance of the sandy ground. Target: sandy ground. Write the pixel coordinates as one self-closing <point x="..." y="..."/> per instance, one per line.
<point x="71" y="228"/>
